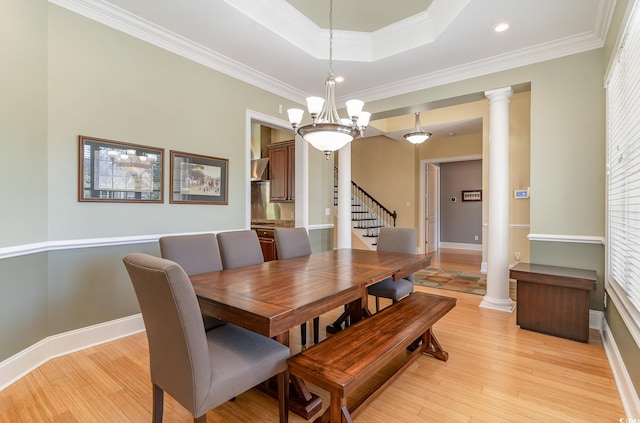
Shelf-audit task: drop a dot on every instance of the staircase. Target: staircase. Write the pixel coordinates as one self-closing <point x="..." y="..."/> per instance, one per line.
<point x="367" y="214"/>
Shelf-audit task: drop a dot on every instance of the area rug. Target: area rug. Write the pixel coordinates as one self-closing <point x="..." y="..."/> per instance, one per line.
<point x="454" y="280"/>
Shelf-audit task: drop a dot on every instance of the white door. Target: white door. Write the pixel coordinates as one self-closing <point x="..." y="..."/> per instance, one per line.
<point x="431" y="207"/>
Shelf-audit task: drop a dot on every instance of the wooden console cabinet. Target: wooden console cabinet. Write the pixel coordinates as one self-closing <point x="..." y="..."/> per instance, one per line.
<point x="554" y="300"/>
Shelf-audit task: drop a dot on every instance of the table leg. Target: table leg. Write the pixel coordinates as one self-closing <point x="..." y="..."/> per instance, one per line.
<point x="353" y="312"/>
<point x="304" y="403"/>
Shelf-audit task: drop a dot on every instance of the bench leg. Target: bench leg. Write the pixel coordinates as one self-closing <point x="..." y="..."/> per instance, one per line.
<point x="432" y="347"/>
<point x="339" y="410"/>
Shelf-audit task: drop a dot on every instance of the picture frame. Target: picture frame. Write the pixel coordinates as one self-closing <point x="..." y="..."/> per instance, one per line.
<point x="198" y="179"/>
<point x="472" y="195"/>
<point x="119" y="172"/>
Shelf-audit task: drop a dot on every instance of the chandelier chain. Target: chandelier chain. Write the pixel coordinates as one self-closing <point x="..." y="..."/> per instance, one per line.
<point x="331" y="37"/>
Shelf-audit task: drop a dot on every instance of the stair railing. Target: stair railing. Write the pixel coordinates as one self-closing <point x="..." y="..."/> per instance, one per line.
<point x="367" y="212"/>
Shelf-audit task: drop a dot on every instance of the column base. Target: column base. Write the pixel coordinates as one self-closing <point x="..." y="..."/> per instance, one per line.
<point x="507" y="305"/>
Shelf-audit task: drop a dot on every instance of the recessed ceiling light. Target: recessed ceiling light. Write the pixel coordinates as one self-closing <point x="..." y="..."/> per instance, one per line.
<point x="501" y="27"/>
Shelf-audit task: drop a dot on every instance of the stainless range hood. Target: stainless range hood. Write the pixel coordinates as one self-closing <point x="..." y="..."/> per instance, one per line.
<point x="259" y="169"/>
<point x="260" y="139"/>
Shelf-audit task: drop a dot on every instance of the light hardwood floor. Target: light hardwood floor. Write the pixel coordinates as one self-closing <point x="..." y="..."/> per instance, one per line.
<point x="496" y="373"/>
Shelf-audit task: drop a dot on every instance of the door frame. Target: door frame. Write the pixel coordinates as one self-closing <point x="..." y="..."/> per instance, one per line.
<point x="301" y="160"/>
<point x="435" y="198"/>
<point x="423" y="194"/>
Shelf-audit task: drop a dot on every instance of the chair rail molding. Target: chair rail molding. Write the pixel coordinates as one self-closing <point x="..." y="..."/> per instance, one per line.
<point x="43" y="247"/>
<point x="578" y="239"/>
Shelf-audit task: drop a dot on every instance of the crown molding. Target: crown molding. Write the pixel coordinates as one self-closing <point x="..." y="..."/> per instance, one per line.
<point x="540" y="53"/>
<point x="128" y="23"/>
<point x="121" y="20"/>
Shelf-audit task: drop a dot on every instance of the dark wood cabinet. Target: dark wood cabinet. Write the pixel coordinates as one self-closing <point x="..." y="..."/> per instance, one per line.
<point x="267" y="244"/>
<point x="282" y="170"/>
<point x="554" y="300"/>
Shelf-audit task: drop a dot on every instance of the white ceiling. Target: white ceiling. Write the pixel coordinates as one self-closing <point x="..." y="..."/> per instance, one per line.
<point x="381" y="48"/>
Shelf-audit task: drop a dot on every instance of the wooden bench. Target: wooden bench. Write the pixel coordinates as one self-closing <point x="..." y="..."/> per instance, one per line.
<point x="342" y="363"/>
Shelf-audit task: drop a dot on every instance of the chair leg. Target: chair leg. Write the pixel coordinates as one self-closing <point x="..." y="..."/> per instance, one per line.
<point x="283" y="396"/>
<point x="303" y="334"/>
<point x="377" y="304"/>
<point x="201" y="419"/>
<point x="316" y="330"/>
<point x="158" y="403"/>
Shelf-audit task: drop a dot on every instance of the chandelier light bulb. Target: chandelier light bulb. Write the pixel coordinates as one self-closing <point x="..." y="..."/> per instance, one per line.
<point x="295" y="116"/>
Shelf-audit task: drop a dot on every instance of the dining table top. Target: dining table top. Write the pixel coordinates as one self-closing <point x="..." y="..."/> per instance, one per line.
<point x="272" y="297"/>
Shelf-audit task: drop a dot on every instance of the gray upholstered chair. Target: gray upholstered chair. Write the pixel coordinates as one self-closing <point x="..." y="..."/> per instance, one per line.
<point x="199" y="369"/>
<point x="294" y="242"/>
<point x="239" y="248"/>
<point x="395" y="240"/>
<point x="198" y="253"/>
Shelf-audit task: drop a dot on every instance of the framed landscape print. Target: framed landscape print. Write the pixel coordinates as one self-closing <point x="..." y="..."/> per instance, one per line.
<point x="198" y="179"/>
<point x="113" y="171"/>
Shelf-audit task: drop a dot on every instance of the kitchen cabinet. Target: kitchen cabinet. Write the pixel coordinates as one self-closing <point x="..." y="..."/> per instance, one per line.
<point x="267" y="243"/>
<point x="282" y="162"/>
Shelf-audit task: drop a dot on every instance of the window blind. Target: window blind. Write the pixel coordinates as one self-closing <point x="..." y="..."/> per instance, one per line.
<point x="623" y="164"/>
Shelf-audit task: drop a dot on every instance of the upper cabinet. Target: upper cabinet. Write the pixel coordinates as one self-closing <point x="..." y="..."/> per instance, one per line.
<point x="282" y="162"/>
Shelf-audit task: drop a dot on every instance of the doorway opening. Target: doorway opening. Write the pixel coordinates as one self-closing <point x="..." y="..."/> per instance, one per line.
<point x="463" y="230"/>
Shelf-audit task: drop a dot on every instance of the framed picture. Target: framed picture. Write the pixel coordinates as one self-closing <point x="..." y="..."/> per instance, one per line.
<point x="197" y="179"/>
<point x="113" y="171"/>
<point x="474" y="195"/>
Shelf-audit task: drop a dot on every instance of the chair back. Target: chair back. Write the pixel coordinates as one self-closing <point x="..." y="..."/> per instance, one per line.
<point x="292" y="242"/>
<point x="178" y="351"/>
<point x="239" y="248"/>
<point x="196" y="254"/>
<point x="398" y="240"/>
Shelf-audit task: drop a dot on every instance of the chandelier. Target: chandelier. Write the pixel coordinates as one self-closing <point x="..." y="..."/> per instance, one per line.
<point x="327" y="132"/>
<point x="418" y="135"/>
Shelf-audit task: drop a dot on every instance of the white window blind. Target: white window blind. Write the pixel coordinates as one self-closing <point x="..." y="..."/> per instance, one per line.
<point x="623" y="164"/>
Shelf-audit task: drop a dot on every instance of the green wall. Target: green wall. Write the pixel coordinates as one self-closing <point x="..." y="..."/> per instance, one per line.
<point x="627" y="346"/>
<point x="23" y="122"/>
<point x="23" y="302"/>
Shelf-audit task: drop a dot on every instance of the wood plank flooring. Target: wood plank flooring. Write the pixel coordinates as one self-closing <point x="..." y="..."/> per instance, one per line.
<point x="496" y="373"/>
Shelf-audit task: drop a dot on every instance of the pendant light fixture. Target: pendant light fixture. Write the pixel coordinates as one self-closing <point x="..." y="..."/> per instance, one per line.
<point x="418" y="135"/>
<point x="327" y="132"/>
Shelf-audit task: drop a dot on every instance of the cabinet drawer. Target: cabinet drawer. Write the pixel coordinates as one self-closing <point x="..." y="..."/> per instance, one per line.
<point x="265" y="233"/>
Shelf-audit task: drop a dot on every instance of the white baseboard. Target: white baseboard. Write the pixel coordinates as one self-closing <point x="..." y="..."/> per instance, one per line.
<point x="25" y="361"/>
<point x="596" y="319"/>
<point x="460" y="246"/>
<point x="628" y="394"/>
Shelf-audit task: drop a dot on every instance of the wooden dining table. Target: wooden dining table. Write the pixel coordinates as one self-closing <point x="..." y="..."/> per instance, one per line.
<point x="275" y="296"/>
